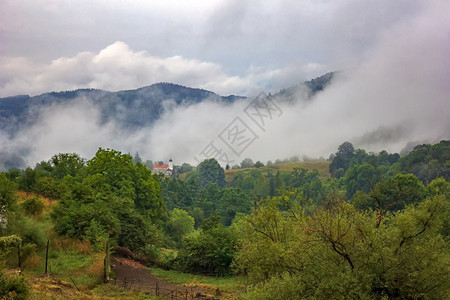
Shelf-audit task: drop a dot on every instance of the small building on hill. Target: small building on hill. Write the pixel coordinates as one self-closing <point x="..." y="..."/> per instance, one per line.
<point x="164" y="169"/>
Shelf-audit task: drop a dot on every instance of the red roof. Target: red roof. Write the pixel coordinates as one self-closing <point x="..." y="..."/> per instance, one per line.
<point x="160" y="166"/>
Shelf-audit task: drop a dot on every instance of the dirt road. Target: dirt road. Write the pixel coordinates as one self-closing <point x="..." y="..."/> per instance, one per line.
<point x="131" y="274"/>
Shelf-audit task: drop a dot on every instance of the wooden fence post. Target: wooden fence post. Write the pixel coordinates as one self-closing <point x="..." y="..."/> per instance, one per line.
<point x="106" y="268"/>
<point x="19" y="261"/>
<point x="46" y="257"/>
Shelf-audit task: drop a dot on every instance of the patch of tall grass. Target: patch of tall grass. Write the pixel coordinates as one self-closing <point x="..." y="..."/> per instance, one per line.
<point x="228" y="284"/>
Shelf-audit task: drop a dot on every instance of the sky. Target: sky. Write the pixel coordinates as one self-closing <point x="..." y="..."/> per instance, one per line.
<point x="393" y="57"/>
<point x="229" y="47"/>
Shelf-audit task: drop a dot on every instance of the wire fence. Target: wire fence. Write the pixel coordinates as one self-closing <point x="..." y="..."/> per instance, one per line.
<point x="153" y="287"/>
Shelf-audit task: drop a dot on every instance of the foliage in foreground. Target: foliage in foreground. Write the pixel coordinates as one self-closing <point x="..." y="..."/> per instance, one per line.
<point x="391" y="239"/>
<point x="13" y="287"/>
<point x="339" y="252"/>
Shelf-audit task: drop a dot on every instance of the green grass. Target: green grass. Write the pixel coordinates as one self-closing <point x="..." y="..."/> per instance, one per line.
<point x="69" y="259"/>
<point x="228" y="284"/>
<point x="53" y="289"/>
<point x="321" y="166"/>
<point x="110" y="291"/>
<point x="71" y="266"/>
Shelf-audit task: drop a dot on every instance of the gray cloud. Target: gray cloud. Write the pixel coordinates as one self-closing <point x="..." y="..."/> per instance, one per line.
<point x="284" y="41"/>
<point x="393" y="88"/>
<point x="397" y="94"/>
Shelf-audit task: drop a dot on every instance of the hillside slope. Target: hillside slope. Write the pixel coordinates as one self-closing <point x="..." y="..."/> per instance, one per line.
<point x="321" y="166"/>
<point x="131" y="108"/>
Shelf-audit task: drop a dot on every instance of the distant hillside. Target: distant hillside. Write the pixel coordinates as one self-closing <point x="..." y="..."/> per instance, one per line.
<point x="321" y="166"/>
<point x="307" y="89"/>
<point x="132" y="108"/>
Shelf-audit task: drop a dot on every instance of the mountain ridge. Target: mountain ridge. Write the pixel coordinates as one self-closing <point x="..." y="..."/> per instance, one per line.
<point x="15" y="110"/>
<point x="129" y="109"/>
<point x="133" y="107"/>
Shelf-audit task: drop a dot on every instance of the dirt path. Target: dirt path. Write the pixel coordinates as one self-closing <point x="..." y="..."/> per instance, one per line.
<point x="131" y="274"/>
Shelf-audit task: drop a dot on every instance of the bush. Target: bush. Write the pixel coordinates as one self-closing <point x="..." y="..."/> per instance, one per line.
<point x="210" y="251"/>
<point x="151" y="252"/>
<point x="32" y="261"/>
<point x="48" y="187"/>
<point x="168" y="260"/>
<point x="27" y="251"/>
<point x="179" y="225"/>
<point x="33" y="206"/>
<point x="13" y="287"/>
<point x="31" y="231"/>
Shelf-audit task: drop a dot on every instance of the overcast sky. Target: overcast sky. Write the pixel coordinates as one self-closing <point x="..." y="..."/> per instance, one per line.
<point x="393" y="88"/>
<point x="229" y="47"/>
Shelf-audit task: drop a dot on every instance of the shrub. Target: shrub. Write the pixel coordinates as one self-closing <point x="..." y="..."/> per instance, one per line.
<point x="152" y="252"/>
<point x="33" y="206"/>
<point x="13" y="287"/>
<point x="31" y="232"/>
<point x="210" y="251"/>
<point x="27" y="251"/>
<point x="32" y="261"/>
<point x="48" y="187"/>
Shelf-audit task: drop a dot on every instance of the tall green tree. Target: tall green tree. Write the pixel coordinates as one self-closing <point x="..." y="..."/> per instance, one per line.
<point x="114" y="199"/>
<point x="113" y="171"/>
<point x="342" y="158"/>
<point x="63" y="164"/>
<point x="209" y="172"/>
<point x="247" y="163"/>
<point x="428" y="161"/>
<point x="231" y="202"/>
<point x="359" y="178"/>
<point x="179" y="225"/>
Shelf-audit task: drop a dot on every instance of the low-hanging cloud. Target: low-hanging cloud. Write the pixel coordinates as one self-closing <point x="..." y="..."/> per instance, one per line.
<point x="396" y="95"/>
<point x="78" y="127"/>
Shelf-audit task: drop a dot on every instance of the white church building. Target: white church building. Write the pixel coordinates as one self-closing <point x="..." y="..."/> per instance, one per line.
<point x="162" y="168"/>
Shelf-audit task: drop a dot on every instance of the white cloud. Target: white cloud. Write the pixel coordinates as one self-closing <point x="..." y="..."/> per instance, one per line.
<point x="117" y="67"/>
<point x="65" y="128"/>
